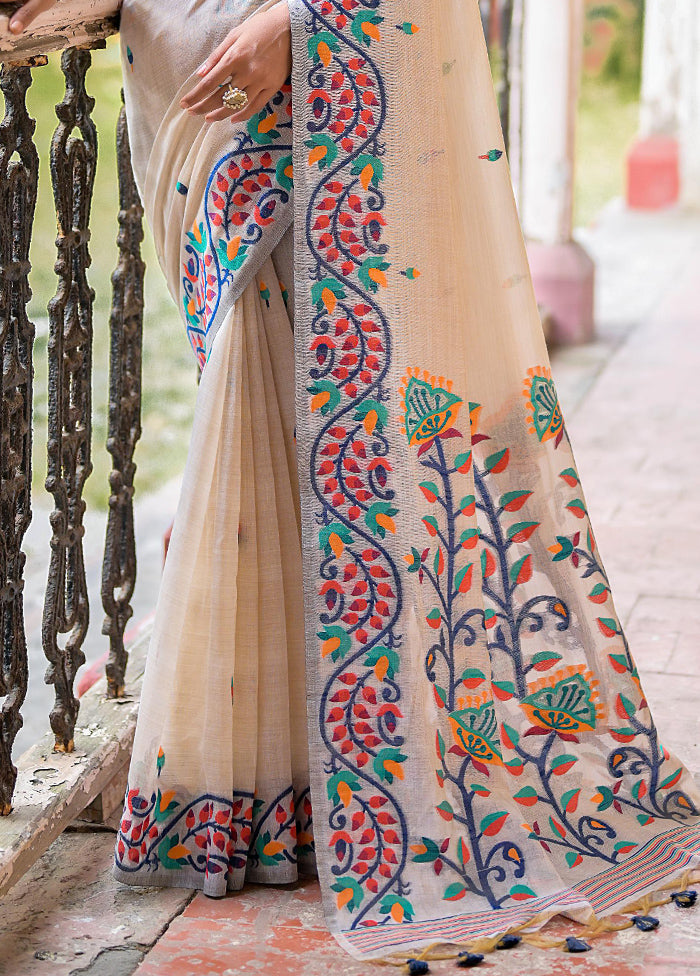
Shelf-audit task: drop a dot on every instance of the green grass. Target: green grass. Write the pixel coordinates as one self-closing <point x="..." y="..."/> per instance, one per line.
<point x="608" y="120"/>
<point x="169" y="372"/>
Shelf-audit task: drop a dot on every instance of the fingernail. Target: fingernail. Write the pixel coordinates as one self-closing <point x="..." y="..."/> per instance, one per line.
<point x="202" y="69"/>
<point x="16" y="26"/>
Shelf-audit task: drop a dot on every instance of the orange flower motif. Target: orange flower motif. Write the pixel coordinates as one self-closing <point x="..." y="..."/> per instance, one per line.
<point x="475" y="729"/>
<point x="565" y="702"/>
<point x="539" y="390"/>
<point x="428" y="405"/>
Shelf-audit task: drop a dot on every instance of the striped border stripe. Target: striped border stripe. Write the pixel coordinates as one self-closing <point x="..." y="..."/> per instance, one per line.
<point x="659" y="858"/>
<point x="655" y="861"/>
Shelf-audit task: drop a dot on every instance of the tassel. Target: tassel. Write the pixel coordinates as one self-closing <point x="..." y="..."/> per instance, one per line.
<point x="684" y="899"/>
<point x="416" y="967"/>
<point x="577" y="945"/>
<point x="645" y="923"/>
<point x="509" y="942"/>
<point x="465" y="960"/>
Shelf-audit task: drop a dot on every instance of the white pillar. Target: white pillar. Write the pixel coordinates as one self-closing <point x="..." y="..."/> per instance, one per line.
<point x="552" y="54"/>
<point x="661" y="68"/>
<point x="562" y="273"/>
<point x="689" y="111"/>
<point x="668" y="149"/>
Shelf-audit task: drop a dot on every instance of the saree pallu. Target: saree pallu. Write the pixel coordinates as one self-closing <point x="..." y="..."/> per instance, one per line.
<point x="386" y="645"/>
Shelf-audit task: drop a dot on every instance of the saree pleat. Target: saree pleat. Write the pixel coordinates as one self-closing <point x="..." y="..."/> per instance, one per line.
<point x="231" y="653"/>
<point x="386" y="647"/>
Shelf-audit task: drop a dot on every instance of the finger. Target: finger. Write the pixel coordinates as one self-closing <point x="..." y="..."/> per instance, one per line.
<point x="214" y="70"/>
<point x="213" y="98"/>
<point x="217" y="54"/>
<point x="224" y="70"/>
<point x="27" y="13"/>
<point x="209" y="104"/>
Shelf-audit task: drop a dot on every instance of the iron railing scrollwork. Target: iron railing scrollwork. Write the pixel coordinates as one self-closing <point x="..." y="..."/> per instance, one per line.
<point x="19" y="173"/>
<point x="73" y="160"/>
<point x="66" y="610"/>
<point x="126" y="330"/>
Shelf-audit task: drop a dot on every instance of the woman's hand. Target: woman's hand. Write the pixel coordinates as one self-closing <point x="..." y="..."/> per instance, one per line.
<point x="256" y="56"/>
<point x="26" y="13"/>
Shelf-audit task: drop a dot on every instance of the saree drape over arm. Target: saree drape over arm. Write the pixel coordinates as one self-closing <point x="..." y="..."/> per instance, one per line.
<point x="383" y="599"/>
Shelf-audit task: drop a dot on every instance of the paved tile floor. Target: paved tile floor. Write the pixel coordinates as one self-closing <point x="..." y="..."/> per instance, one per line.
<point x="631" y="401"/>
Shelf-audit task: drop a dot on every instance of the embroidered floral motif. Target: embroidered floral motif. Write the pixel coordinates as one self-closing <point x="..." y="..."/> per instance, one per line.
<point x="244" y="194"/>
<point x="564" y="702"/>
<point x="429" y="406"/>
<point x="540" y="392"/>
<point x="482" y="581"/>
<point x="475" y="731"/>
<point x="351" y="468"/>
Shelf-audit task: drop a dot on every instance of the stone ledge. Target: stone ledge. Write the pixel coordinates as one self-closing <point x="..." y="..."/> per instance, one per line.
<point x="70" y="23"/>
<point x="53" y="788"/>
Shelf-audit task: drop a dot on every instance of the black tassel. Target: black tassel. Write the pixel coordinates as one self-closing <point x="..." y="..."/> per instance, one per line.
<point x="465" y="960"/>
<point x="576" y="945"/>
<point x="417" y="967"/>
<point x="684" y="899"/>
<point x="645" y="923"/>
<point x="509" y="942"/>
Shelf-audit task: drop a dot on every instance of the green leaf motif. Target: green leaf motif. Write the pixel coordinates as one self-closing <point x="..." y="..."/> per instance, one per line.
<point x="454" y="892"/>
<point x="357" y="892"/>
<point x="522" y="892"/>
<point x="389" y="901"/>
<point x="493" y="460"/>
<point x="345" y="776"/>
<point x="371" y="264"/>
<point x="519" y="527"/>
<point x="431" y="854"/>
<point x="384" y="756"/>
<point x="163" y="814"/>
<point x="318" y="288"/>
<point x="565" y="550"/>
<point x="165" y="846"/>
<point x="546" y="656"/>
<point x="562" y="761"/>
<point x="629" y="707"/>
<point x="322" y="37"/>
<point x="379" y="408"/>
<point x="365" y="159"/>
<point x="379" y="652"/>
<point x="416" y="560"/>
<point x="517" y="566"/>
<point x="344" y="642"/>
<point x="608" y="797"/>
<point x="358" y="24"/>
<point x="333" y="528"/>
<point x="491" y="819"/>
<point x="472" y="674"/>
<point x="321" y="139"/>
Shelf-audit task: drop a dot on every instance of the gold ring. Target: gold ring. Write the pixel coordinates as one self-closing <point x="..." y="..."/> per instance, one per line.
<point x="235" y="99"/>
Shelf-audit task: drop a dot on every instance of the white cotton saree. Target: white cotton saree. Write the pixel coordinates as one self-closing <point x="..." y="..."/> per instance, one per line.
<point x="385" y="647"/>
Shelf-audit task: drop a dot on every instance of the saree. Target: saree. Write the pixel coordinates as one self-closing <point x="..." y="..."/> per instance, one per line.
<point x="385" y="647"/>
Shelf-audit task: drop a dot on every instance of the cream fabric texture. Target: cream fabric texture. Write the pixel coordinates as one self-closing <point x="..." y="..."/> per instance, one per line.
<point x="381" y="516"/>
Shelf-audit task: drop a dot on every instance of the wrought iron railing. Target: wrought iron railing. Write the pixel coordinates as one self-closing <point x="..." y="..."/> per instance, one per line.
<point x="73" y="157"/>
